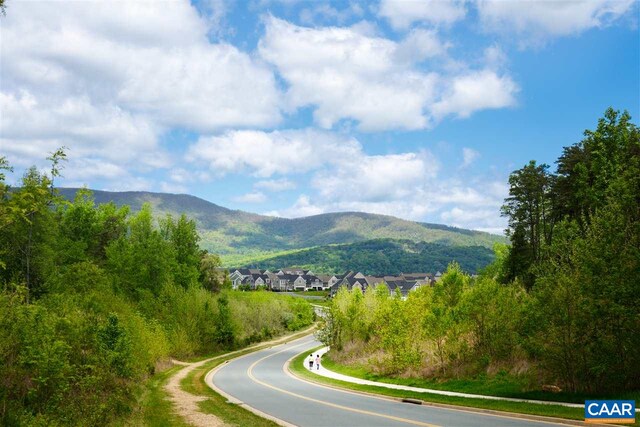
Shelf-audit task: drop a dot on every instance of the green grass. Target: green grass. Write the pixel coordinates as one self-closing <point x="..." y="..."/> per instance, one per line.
<point x="501" y="384"/>
<point x="297" y="366"/>
<point x="154" y="407"/>
<point x="313" y="293"/>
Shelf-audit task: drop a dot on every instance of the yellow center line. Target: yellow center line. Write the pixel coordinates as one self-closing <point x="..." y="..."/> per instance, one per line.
<point x="333" y="405"/>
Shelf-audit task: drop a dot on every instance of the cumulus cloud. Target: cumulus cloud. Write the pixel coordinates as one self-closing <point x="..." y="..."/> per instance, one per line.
<point x="264" y="154"/>
<point x="537" y="20"/>
<point x="480" y="219"/>
<point x="475" y="91"/>
<point x="347" y="75"/>
<point x="402" y="13"/>
<point x="375" y="178"/>
<point x="351" y="74"/>
<point x="107" y="79"/>
<point x="33" y="126"/>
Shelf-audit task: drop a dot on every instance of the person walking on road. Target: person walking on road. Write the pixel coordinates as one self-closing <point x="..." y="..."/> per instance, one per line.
<point x="318" y="362"/>
<point x="311" y="362"/>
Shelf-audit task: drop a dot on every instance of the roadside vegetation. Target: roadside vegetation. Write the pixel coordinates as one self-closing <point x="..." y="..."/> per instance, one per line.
<point x="557" y="310"/>
<point x="298" y="368"/>
<point x="95" y="300"/>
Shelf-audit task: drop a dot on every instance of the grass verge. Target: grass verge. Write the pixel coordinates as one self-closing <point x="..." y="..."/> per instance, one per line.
<point x="154" y="407"/>
<point x="297" y="367"/>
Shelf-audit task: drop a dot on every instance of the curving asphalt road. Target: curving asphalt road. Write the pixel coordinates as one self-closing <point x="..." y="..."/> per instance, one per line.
<point x="259" y="380"/>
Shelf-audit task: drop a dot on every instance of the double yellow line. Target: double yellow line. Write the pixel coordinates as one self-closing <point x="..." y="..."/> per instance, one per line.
<point x="322" y="402"/>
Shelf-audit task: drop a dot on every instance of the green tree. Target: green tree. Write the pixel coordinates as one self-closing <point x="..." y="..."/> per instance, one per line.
<point x="225" y="334"/>
<point x="142" y="260"/>
<point x="210" y="275"/>
<point x="183" y="236"/>
<point x="528" y="209"/>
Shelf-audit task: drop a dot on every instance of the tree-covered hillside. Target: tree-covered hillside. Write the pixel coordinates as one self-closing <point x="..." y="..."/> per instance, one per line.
<point x="381" y="257"/>
<point x="233" y="233"/>
<point x="95" y="299"/>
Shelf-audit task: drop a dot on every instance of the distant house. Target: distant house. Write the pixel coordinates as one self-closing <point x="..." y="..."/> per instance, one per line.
<point x="326" y="281"/>
<point x="313" y="283"/>
<point x="354" y="280"/>
<point x="297" y="279"/>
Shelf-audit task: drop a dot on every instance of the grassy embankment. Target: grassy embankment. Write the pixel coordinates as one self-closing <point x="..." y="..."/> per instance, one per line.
<point x="297" y="367"/>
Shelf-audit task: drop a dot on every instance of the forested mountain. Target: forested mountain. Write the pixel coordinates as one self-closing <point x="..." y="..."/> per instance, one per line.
<point x="380" y="257"/>
<point x="242" y="236"/>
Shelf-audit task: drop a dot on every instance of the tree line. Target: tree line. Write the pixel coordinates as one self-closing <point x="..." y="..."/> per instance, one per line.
<point x="95" y="299"/>
<point x="563" y="298"/>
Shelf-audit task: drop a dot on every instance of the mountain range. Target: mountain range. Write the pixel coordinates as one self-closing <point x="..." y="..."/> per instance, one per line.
<point x="243" y="238"/>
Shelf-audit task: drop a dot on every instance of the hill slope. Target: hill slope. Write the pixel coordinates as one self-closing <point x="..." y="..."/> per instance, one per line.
<point x="238" y="233"/>
<point x="379" y="257"/>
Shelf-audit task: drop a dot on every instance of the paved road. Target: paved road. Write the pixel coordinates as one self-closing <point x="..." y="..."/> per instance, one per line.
<point x="259" y="380"/>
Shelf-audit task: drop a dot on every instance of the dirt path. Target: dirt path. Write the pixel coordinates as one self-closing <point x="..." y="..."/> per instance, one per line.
<point x="186" y="404"/>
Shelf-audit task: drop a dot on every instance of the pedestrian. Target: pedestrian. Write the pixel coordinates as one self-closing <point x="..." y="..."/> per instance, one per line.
<point x="318" y="362"/>
<point x="310" y="361"/>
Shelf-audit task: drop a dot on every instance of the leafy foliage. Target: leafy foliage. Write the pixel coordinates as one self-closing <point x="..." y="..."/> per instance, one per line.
<point x="563" y="299"/>
<point x="93" y="299"/>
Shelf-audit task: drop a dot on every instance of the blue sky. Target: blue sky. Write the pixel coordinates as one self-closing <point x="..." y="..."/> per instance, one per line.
<point x="417" y="109"/>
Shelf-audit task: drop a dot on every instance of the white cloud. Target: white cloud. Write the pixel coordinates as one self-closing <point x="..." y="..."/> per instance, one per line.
<point x="475" y="91"/>
<point x="264" y="154"/>
<point x="537" y="20"/>
<point x="274" y="185"/>
<point x="303" y="207"/>
<point x="346" y="74"/>
<point x="479" y="219"/>
<point x="107" y="79"/>
<point x="350" y="74"/>
<point x="31" y="127"/>
<point x="376" y="178"/>
<point x="469" y="155"/>
<point x="421" y="44"/>
<point x="253" y="197"/>
<point x="402" y="13"/>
